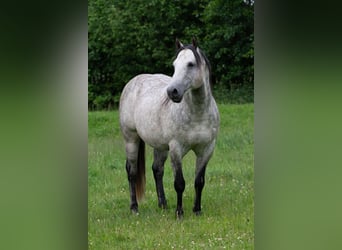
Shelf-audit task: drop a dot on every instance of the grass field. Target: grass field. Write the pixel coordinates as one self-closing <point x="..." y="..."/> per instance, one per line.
<point x="227" y="220"/>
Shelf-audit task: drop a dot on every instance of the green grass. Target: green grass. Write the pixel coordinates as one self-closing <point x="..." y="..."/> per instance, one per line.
<point x="227" y="220"/>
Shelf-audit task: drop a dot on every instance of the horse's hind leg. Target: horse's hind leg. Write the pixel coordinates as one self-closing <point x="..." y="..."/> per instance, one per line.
<point x="132" y="171"/>
<point x="158" y="173"/>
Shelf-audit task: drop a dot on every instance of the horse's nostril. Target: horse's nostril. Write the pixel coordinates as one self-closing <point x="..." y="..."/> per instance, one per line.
<point x="175" y="94"/>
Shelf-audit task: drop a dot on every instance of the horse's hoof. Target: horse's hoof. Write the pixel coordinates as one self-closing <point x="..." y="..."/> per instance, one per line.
<point x="162" y="205"/>
<point x="179" y="214"/>
<point x="198" y="213"/>
<point x="134" y="210"/>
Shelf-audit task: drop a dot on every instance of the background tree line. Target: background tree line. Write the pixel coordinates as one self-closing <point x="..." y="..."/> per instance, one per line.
<point x="126" y="38"/>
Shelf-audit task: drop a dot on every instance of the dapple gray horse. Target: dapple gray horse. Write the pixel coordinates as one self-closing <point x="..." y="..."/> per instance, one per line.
<point x="175" y="114"/>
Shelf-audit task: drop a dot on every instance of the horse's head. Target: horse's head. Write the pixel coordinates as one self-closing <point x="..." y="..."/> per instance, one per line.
<point x="189" y="70"/>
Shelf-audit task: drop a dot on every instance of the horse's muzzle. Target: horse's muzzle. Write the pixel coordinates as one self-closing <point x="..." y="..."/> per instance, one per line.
<point x="175" y="94"/>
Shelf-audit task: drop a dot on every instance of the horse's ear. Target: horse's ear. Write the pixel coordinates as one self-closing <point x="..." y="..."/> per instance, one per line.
<point x="178" y="44"/>
<point x="194" y="42"/>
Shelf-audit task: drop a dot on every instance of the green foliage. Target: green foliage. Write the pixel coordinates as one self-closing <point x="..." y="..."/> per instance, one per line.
<point x="227" y="200"/>
<point x="126" y="38"/>
<point x="229" y="41"/>
<point x="235" y="94"/>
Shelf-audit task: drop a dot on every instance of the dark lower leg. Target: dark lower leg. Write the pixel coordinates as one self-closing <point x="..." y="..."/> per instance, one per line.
<point x="158" y="173"/>
<point x="199" y="184"/>
<point x="132" y="179"/>
<point x="179" y="185"/>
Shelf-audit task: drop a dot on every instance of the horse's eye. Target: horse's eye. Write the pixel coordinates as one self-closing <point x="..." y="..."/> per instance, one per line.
<point x="190" y="65"/>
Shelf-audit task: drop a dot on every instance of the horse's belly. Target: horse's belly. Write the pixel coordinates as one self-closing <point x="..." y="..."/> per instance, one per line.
<point x="156" y="145"/>
<point x="153" y="136"/>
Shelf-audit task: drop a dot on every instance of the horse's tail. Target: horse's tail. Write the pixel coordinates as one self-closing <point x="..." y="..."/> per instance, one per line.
<point x="141" y="178"/>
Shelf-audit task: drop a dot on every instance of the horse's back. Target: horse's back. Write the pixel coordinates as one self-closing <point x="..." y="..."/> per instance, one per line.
<point x="142" y="91"/>
<point x="144" y="83"/>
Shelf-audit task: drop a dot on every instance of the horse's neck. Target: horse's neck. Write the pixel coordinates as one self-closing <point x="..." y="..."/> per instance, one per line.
<point x="199" y="99"/>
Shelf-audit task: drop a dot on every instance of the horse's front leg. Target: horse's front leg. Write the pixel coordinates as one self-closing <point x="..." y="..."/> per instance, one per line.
<point x="158" y="173"/>
<point x="199" y="184"/>
<point x="179" y="185"/>
<point x="179" y="182"/>
<point x="203" y="156"/>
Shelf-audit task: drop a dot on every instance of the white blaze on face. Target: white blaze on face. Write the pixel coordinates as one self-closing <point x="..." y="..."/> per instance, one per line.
<point x="181" y="63"/>
<point x="184" y="57"/>
<point x="186" y="69"/>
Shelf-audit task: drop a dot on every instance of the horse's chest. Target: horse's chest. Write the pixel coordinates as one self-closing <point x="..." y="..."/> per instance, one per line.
<point x="199" y="133"/>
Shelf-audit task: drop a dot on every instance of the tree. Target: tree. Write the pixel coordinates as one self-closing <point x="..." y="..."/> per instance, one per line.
<point x="229" y="40"/>
<point x="126" y="38"/>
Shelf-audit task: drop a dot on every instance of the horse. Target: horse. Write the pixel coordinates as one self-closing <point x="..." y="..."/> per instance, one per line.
<point x="173" y="115"/>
